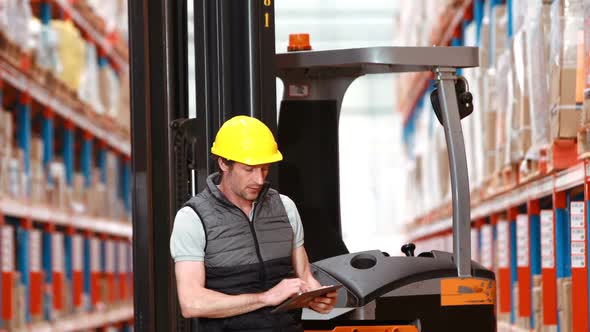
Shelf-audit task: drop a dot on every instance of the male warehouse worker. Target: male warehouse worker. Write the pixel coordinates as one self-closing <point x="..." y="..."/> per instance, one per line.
<point x="238" y="245"/>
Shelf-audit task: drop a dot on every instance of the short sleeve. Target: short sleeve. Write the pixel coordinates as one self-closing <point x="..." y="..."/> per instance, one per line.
<point x="294" y="220"/>
<point x="187" y="242"/>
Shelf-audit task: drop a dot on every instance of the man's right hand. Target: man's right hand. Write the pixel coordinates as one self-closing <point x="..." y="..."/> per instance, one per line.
<point x="284" y="290"/>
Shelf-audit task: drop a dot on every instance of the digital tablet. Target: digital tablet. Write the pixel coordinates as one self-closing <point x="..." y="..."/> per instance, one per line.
<point x="303" y="299"/>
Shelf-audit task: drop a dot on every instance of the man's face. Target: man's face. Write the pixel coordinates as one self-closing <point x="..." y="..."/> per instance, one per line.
<point x="243" y="180"/>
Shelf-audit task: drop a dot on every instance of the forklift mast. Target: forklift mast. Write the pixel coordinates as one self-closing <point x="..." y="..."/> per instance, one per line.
<point x="235" y="74"/>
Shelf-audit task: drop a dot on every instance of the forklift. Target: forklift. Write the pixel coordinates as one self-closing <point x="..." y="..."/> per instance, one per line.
<point x="236" y="68"/>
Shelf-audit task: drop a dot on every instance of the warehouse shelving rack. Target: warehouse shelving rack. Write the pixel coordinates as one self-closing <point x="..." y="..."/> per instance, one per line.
<point x="565" y="197"/>
<point x="35" y="238"/>
<point x="534" y="234"/>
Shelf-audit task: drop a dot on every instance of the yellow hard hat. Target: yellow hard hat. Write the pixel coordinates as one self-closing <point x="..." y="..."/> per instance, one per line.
<point x="246" y="140"/>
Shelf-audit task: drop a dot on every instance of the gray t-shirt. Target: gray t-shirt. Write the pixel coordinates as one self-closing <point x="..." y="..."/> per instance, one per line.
<point x="187" y="242"/>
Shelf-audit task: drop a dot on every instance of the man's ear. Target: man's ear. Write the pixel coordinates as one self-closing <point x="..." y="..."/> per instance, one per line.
<point x="223" y="166"/>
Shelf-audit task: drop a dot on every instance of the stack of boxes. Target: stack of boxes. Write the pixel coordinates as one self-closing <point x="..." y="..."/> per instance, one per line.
<point x="528" y="93"/>
<point x="566" y="39"/>
<point x="584" y="134"/>
<point x="537" y="27"/>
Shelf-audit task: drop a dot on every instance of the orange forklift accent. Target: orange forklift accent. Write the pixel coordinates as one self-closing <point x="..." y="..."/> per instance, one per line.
<point x="390" y="328"/>
<point x="467" y="291"/>
<point x="299" y="42"/>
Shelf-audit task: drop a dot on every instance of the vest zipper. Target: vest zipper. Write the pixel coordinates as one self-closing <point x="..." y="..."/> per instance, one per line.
<point x="263" y="275"/>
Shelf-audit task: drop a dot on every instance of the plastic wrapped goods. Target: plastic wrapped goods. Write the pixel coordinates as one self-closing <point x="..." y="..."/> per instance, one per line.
<point x="490" y="116"/>
<point x="536" y="81"/>
<point x="503" y="85"/>
<point x="522" y="99"/>
<point x="109" y="90"/>
<point x="566" y="25"/>
<point x="18" y="13"/>
<point x="586" y="58"/>
<point x="584" y="135"/>
<point x="89" y="89"/>
<point x="499" y="26"/>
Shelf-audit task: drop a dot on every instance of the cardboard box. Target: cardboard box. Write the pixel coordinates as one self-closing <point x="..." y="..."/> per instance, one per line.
<point x="564" y="303"/>
<point x="36" y="149"/>
<point x="58" y="190"/>
<point x="565" y="122"/>
<point x="38" y="183"/>
<point x="537" y="299"/>
<point x="563" y="87"/>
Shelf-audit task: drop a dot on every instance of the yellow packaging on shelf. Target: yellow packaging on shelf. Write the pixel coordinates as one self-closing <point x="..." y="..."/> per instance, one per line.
<point x="71" y="52"/>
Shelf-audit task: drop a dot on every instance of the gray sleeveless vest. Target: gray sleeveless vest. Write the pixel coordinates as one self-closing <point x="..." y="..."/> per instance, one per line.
<point x="243" y="256"/>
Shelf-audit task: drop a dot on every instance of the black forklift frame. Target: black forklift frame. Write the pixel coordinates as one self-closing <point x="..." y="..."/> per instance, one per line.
<point x="235" y="65"/>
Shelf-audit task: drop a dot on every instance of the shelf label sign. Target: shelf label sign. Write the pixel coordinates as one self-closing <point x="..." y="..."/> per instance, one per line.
<point x="486" y="246"/>
<point x="547" y="240"/>
<point x="578" y="230"/>
<point x="522" y="240"/>
<point x="35" y="250"/>
<point x="77" y="252"/>
<point x="503" y="244"/>
<point x="7" y="249"/>
<point x="57" y="248"/>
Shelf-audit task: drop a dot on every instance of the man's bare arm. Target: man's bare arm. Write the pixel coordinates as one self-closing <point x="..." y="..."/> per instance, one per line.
<point x="198" y="301"/>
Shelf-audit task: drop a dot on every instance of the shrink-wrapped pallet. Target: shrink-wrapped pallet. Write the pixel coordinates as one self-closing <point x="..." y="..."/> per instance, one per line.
<point x="500" y="103"/>
<point x="566" y="28"/>
<point x="499" y="31"/>
<point x="522" y="141"/>
<point x="584" y="135"/>
<point x="490" y="118"/>
<point x="536" y="81"/>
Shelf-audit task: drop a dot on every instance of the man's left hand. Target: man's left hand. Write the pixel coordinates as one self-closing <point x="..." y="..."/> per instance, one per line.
<point x="324" y="304"/>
